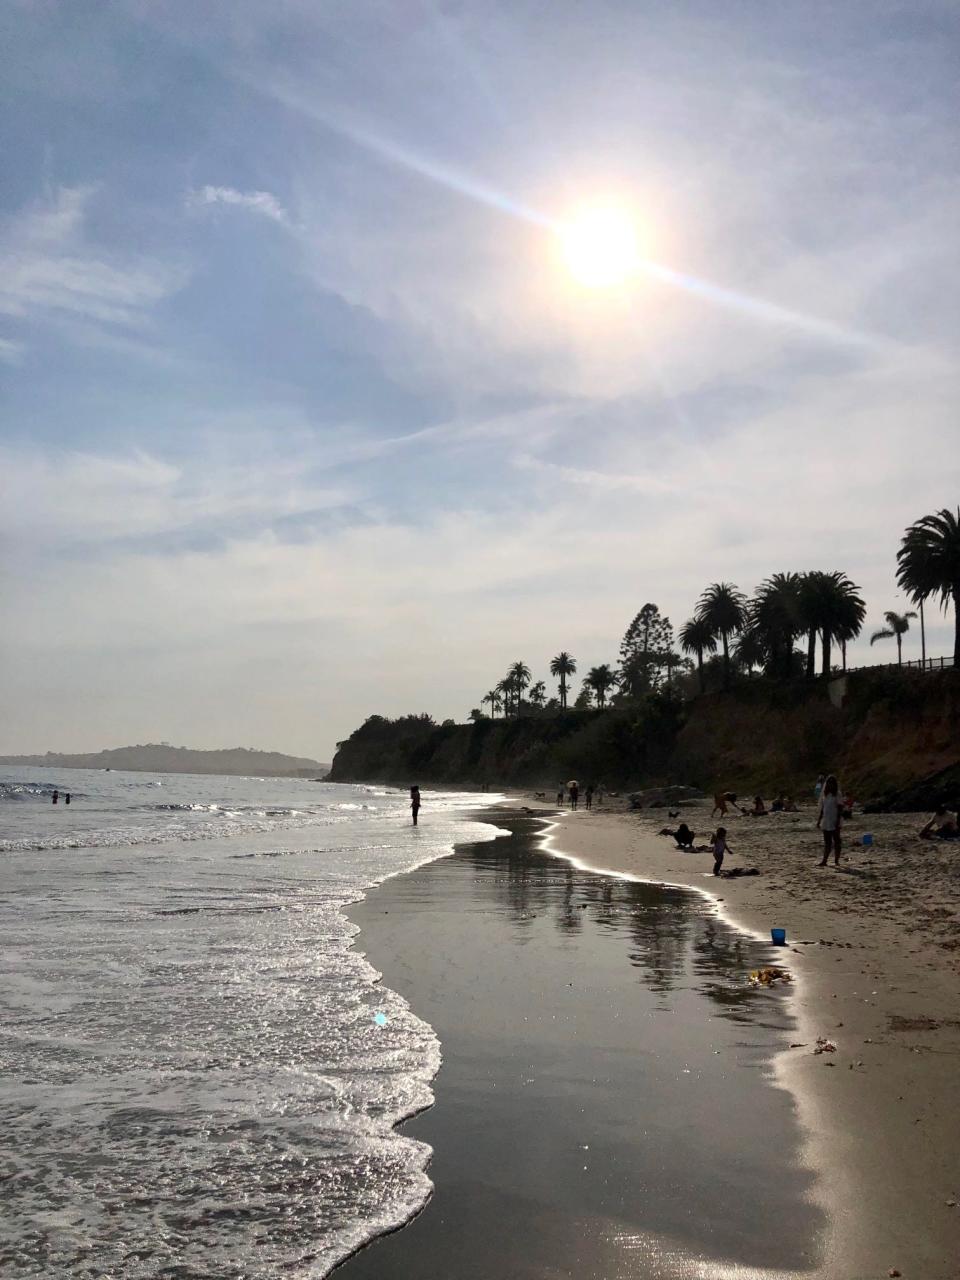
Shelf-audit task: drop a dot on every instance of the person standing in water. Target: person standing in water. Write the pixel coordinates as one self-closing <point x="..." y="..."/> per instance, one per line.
<point x="415" y="803"/>
<point x="66" y="798"/>
<point x="56" y="796"/>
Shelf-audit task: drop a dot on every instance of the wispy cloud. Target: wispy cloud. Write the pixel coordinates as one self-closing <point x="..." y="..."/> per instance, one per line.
<point x="80" y="498"/>
<point x="262" y="202"/>
<point x="11" y="352"/>
<point x="49" y="270"/>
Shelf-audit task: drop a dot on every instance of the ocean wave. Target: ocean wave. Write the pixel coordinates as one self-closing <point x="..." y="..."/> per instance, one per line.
<point x="29" y="790"/>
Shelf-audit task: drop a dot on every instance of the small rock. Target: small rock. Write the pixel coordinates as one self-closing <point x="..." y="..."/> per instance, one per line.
<point x="951" y="1204"/>
<point x="893" y="1272"/>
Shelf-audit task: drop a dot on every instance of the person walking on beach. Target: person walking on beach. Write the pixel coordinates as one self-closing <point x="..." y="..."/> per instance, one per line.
<point x="574" y="789"/>
<point x="560" y="791"/>
<point x="818" y="787"/>
<point x="415" y="803"/>
<point x="589" y="795"/>
<point x="718" y="847"/>
<point x="829" y="818"/>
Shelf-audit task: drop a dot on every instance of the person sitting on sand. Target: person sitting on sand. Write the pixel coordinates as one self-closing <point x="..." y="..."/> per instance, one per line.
<point x="778" y="804"/>
<point x="829" y="818"/>
<point x="759" y="809"/>
<point x="942" y="826"/>
<point x="718" y="847"/>
<point x="683" y="836"/>
<point x="789" y="805"/>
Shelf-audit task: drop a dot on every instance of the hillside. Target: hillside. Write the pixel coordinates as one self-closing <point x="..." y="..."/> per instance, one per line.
<point x="880" y="731"/>
<point x="162" y="758"/>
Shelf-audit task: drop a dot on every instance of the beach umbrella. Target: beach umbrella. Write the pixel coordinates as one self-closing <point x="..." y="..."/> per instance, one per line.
<point x="573" y="783"/>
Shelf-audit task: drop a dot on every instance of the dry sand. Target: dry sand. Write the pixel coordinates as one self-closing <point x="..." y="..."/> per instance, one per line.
<point x="875" y="952"/>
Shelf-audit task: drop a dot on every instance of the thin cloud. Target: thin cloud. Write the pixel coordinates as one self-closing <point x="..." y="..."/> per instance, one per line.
<point x="49" y="271"/>
<point x="262" y="202"/>
<point x="11" y="352"/>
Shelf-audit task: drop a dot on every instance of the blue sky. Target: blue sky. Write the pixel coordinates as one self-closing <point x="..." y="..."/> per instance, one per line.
<point x="302" y="418"/>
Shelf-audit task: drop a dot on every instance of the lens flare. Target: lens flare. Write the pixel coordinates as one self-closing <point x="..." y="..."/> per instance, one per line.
<point x="601" y="247"/>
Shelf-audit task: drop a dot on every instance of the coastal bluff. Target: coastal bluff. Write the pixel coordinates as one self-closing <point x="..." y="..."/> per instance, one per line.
<point x="883" y="731"/>
<point x="160" y="757"/>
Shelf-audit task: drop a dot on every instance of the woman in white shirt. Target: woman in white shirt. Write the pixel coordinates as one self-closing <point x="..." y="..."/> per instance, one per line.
<point x="828" y="819"/>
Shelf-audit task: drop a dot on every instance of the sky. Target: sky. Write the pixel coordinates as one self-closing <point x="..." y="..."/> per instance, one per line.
<point x="303" y="416"/>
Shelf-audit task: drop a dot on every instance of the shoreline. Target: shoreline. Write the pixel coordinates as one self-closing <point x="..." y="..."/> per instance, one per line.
<point x="442" y="934"/>
<point x="879" y="1113"/>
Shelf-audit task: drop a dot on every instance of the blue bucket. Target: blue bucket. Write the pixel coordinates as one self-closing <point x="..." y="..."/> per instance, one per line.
<point x="779" y="937"/>
<point x="868" y="838"/>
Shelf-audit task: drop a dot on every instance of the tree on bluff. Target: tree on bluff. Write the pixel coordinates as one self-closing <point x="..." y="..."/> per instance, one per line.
<point x="645" y="651"/>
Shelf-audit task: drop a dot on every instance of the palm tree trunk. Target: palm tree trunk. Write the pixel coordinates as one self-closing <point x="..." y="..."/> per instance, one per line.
<point x="899" y="649"/>
<point x="923" y="637"/>
<point x="726" y="662"/>
<point x="956" y="625"/>
<point x="827" y="638"/>
<point x="812" y="653"/>
<point x="700" y="668"/>
<point x="843" y="650"/>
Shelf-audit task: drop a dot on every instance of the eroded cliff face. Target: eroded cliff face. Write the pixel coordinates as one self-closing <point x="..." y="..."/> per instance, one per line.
<point x="879" y="731"/>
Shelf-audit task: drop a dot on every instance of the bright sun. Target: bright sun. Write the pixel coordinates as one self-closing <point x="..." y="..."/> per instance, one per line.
<point x="600" y="246"/>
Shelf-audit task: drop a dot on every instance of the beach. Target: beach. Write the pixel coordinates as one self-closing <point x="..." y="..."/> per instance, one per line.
<point x="607" y="1106"/>
<point x="874" y="952"/>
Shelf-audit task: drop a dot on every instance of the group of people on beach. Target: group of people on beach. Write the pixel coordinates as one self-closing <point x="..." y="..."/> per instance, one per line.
<point x="571" y="792"/>
<point x="717" y="843"/>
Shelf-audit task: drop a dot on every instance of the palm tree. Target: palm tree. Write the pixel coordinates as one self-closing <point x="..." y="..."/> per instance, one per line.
<point x="520" y="675"/>
<point x="600" y="679"/>
<point x="752" y="650"/>
<point x="724" y="608"/>
<point x="775" y="620"/>
<point x="928" y="564"/>
<point x="505" y="689"/>
<point x="897" y="626"/>
<point x="496" y="702"/>
<point x="697" y="636"/>
<point x="848" y="614"/>
<point x="839" y="611"/>
<point x="538" y="693"/>
<point x="563" y="665"/>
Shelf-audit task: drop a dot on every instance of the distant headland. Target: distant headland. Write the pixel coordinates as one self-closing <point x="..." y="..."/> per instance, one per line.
<point x="160" y="757"/>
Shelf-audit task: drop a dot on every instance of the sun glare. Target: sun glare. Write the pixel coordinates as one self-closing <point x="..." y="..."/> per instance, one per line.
<point x="601" y="247"/>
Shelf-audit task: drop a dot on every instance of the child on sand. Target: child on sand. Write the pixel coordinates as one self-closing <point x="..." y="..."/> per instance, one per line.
<point x="718" y="847"/>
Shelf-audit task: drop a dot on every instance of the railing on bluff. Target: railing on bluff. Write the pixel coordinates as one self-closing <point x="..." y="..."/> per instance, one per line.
<point x="917" y="664"/>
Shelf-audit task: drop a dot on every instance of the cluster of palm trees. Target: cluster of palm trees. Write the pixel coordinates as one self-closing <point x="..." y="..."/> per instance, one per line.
<point x="816" y="608"/>
<point x="507" y="696"/>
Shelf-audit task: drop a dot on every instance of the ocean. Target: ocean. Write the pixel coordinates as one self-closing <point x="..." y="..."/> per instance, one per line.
<point x="199" y="1074"/>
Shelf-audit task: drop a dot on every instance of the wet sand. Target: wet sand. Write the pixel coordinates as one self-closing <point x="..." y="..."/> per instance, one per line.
<point x="876" y="950"/>
<point x="607" y="1106"/>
